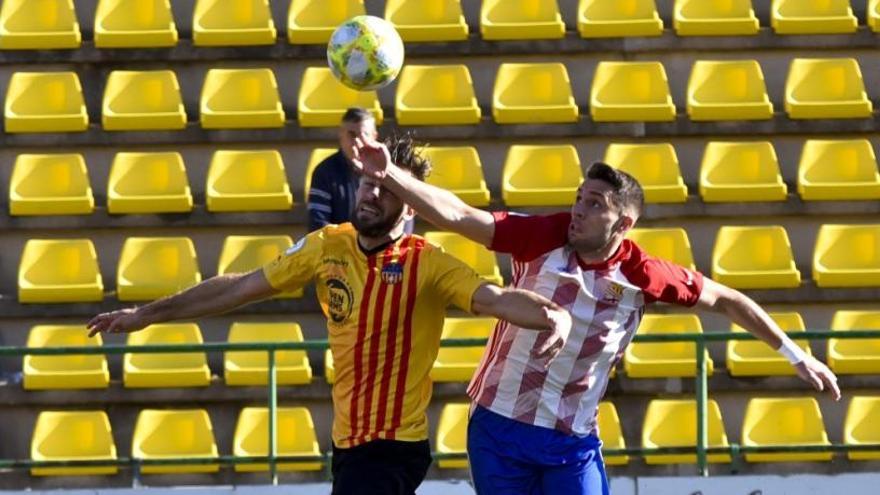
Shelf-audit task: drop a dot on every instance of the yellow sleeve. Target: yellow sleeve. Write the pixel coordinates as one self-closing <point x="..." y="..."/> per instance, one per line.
<point x="455" y="281"/>
<point x="295" y="267"/>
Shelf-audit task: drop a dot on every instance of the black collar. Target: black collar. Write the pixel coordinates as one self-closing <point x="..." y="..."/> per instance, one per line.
<point x="377" y="249"/>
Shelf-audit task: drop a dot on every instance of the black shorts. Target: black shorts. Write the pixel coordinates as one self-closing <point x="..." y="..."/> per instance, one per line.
<point x="380" y="467"/>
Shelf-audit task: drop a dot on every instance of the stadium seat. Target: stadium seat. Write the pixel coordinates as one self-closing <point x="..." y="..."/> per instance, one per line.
<point x="240" y="99"/>
<point x="163" y="434"/>
<point x="541" y="176"/>
<point x="873" y="15"/>
<point x="854" y="356"/>
<point x="252" y="180"/>
<point x="323" y="99"/>
<point x="166" y="370"/>
<point x="224" y="23"/>
<point x="862" y="426"/>
<point x="673" y="423"/>
<point x="134" y="24"/>
<point x="740" y="172"/>
<point x="40" y="25"/>
<point x="415" y="20"/>
<point x="471" y="253"/>
<point x="252" y="367"/>
<point x="67" y="371"/>
<point x="44" y="102"/>
<point x="755" y="358"/>
<point x="59" y="271"/>
<point x="616" y="19"/>
<point x="847" y="256"/>
<point x="612" y="436"/>
<point x="142" y="100"/>
<point x="826" y="89"/>
<point x="154" y="267"/>
<point x="671" y="244"/>
<point x="662" y="360"/>
<point x="73" y="436"/>
<point x="521" y="20"/>
<point x="329" y="368"/>
<point x="295" y="436"/>
<point x="655" y="166"/>
<point x="754" y="257"/>
<point x="452" y="435"/>
<point x="56" y="184"/>
<point x="812" y="17"/>
<point x="714" y="18"/>
<point x="458" y="364"/>
<point x="854" y="175"/>
<point x="784" y="421"/>
<point x="243" y="253"/>
<point x="458" y="169"/>
<point x="313" y="21"/>
<point x="727" y="90"/>
<point x="631" y="92"/>
<point x="153" y="182"/>
<point x="318" y="155"/>
<point x="533" y="94"/>
<point x="436" y="94"/>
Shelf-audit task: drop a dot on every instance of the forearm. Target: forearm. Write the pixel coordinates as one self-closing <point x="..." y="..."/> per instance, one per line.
<point x="213" y="296"/>
<point x="438" y="206"/>
<point x="747" y="314"/>
<point x="523" y="308"/>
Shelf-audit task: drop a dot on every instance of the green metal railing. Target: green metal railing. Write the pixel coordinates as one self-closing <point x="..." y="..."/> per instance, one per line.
<point x="701" y="449"/>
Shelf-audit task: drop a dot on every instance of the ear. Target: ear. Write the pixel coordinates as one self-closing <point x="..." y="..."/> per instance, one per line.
<point x="625" y="223"/>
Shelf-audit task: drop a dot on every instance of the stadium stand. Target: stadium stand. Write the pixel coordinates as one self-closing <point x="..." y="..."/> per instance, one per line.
<point x="56" y="184"/>
<point x="148" y="183"/>
<point x="671" y="423"/>
<point x="742" y="171"/>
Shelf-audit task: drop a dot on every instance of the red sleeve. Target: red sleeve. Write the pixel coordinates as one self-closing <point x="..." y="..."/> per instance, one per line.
<point x="527" y="237"/>
<point x="663" y="281"/>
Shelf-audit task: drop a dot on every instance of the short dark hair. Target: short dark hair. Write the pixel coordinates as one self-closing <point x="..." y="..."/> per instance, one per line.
<point x="356" y="115"/>
<point x="628" y="192"/>
<point x="404" y="151"/>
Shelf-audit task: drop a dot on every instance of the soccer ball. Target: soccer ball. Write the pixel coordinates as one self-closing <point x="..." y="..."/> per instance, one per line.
<point x="365" y="53"/>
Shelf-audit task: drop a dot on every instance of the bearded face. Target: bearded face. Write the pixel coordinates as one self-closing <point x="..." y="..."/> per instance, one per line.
<point x="377" y="211"/>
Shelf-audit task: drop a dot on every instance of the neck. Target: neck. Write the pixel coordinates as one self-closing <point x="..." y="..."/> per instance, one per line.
<point x="600" y="255"/>
<point x="370" y="243"/>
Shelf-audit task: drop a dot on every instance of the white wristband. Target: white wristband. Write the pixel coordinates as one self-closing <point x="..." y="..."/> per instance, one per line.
<point x="791" y="351"/>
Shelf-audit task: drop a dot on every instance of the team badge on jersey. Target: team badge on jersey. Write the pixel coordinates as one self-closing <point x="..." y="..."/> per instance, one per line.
<point x="392" y="273"/>
<point x="613" y="294"/>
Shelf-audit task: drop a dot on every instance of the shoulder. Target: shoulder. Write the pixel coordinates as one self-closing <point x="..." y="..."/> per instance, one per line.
<point x="331" y="166"/>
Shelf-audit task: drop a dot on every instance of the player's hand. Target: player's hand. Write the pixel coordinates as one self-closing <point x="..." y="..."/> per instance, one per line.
<point x="119" y="321"/>
<point x="554" y="339"/>
<point x="814" y="372"/>
<point x="370" y="157"/>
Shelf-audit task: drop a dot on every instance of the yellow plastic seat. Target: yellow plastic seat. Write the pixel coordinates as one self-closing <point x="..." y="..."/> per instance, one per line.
<point x="252" y="367"/>
<point x="671" y="244"/>
<point x="134" y="24"/>
<point x="50" y="185"/>
<point x="826" y="89"/>
<point x="224" y="23"/>
<point x="673" y="423"/>
<point x="661" y="360"/>
<point x="318" y="155"/>
<point x="714" y="18"/>
<point x="244" y="253"/>
<point x="73" y="436"/>
<point x="873" y="14"/>
<point x="295" y="436"/>
<point x="854" y="174"/>
<point x="313" y="21"/>
<point x="784" y="421"/>
<point x="655" y="166"/>
<point x="471" y="253"/>
<point x="741" y="171"/>
<point x="458" y="364"/>
<point x="252" y="180"/>
<point x="164" y="434"/>
<point x="436" y="94"/>
<point x="153" y="182"/>
<point x="812" y="17"/>
<point x="727" y="90"/>
<point x="862" y="426"/>
<point x="521" y="20"/>
<point x="754" y="257"/>
<point x="439" y="20"/>
<point x="38" y="25"/>
<point x="452" y="435"/>
<point x="59" y="271"/>
<point x="142" y="100"/>
<point x="541" y="176"/>
<point x="631" y="92"/>
<point x="166" y="370"/>
<point x="854" y="356"/>
<point x="755" y="358"/>
<point x="532" y="94"/>
<point x="45" y="102"/>
<point x="154" y="267"/>
<point x="615" y="18"/>
<point x="847" y="256"/>
<point x="73" y="371"/>
<point x="240" y="99"/>
<point x="611" y="434"/>
<point x="458" y="169"/>
<point x="329" y="368"/>
<point x="323" y="99"/>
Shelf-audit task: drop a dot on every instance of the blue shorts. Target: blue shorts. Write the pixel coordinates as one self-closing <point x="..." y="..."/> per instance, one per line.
<point x="508" y="457"/>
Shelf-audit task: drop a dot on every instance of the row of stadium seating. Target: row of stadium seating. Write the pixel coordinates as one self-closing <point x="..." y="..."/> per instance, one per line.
<point x="439" y="95"/>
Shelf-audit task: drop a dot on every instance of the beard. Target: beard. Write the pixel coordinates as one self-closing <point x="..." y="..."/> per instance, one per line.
<point x="590" y="244"/>
<point x="375" y="226"/>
